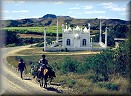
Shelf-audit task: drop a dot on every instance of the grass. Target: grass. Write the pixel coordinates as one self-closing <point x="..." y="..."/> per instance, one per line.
<point x="80" y="83"/>
<point x="30" y="35"/>
<point x="49" y="29"/>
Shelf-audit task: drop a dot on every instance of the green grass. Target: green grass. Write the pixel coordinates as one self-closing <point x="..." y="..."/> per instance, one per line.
<point x="49" y="29"/>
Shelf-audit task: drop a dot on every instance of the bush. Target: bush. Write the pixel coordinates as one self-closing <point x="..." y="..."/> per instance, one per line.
<point x="121" y="59"/>
<point x="11" y="45"/>
<point x="83" y="68"/>
<point x="68" y="82"/>
<point x="109" y="85"/>
<point x="69" y="65"/>
<point x="12" y="37"/>
<point x="71" y="83"/>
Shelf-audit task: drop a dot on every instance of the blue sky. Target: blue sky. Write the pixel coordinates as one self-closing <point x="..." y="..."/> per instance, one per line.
<point x="20" y="9"/>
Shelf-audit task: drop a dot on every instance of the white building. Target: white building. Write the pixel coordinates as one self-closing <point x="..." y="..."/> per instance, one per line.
<point x="75" y="39"/>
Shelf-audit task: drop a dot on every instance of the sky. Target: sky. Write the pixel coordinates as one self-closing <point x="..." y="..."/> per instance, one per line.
<point x="82" y="9"/>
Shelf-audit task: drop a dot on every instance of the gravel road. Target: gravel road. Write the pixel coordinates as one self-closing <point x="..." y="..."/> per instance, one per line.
<point x="12" y="84"/>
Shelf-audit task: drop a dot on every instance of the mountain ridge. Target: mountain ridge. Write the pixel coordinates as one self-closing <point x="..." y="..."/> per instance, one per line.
<point x="51" y="19"/>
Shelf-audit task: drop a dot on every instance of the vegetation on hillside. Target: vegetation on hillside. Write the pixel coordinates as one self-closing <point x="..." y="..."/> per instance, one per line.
<point x="51" y="19"/>
<point x="50" y="30"/>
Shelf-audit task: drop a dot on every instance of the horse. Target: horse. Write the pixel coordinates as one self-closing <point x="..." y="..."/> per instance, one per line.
<point x="43" y="74"/>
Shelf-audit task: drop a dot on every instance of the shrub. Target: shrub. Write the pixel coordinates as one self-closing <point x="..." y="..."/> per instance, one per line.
<point x="69" y="65"/>
<point x="71" y="83"/>
<point x="83" y="68"/>
<point x="11" y="45"/>
<point x="12" y="37"/>
<point x="68" y="82"/>
<point x="109" y="85"/>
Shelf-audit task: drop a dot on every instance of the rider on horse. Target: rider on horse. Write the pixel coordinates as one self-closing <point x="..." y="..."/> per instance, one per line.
<point x="43" y="62"/>
<point x="44" y="71"/>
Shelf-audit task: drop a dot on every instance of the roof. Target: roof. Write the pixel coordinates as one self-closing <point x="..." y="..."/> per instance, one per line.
<point x="77" y="28"/>
<point x="85" y="29"/>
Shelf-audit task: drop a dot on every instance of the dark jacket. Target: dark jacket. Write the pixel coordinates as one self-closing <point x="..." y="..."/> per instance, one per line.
<point x="43" y="62"/>
<point x="21" y="66"/>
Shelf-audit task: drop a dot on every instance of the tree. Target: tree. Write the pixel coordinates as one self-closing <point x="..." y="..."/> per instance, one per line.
<point x="121" y="59"/>
<point x="120" y="31"/>
<point x="12" y="37"/>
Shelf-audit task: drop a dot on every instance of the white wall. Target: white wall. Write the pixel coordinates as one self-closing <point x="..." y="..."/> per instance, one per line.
<point x="76" y="43"/>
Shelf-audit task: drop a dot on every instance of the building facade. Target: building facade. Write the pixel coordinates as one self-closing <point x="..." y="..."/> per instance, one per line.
<point x="76" y="37"/>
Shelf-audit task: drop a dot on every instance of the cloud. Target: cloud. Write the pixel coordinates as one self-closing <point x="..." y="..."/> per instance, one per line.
<point x="94" y="12"/>
<point x="88" y="7"/>
<point x="20" y="11"/>
<point x="19" y="2"/>
<point x="59" y="2"/>
<point x="75" y="8"/>
<point x="113" y="7"/>
<point x="103" y="17"/>
<point x="73" y="16"/>
<point x="7" y="18"/>
<point x="5" y="11"/>
<point x="15" y="2"/>
<point x="30" y="16"/>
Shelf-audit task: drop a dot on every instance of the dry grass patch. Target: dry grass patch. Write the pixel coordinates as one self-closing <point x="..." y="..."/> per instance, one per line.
<point x="30" y="35"/>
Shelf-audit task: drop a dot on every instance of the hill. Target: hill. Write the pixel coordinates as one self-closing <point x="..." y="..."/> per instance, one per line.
<point x="50" y="19"/>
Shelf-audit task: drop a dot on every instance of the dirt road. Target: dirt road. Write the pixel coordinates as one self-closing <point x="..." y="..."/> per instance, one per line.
<point x="12" y="84"/>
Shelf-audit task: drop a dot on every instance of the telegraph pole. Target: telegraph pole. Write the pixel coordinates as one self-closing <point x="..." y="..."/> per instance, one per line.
<point x="57" y="35"/>
<point x="44" y="39"/>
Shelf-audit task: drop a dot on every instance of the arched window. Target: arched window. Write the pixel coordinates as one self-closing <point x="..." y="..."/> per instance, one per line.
<point x="68" y="42"/>
<point x="84" y="42"/>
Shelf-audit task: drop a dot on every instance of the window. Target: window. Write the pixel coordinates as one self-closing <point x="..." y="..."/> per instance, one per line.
<point x="84" y="42"/>
<point x="68" y="42"/>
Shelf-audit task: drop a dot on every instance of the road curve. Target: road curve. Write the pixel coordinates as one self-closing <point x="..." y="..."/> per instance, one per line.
<point x="12" y="84"/>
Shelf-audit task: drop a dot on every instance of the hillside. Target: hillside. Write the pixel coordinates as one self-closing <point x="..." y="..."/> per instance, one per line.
<point x="50" y="19"/>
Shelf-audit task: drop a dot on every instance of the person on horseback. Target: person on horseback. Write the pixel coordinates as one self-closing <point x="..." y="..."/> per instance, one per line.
<point x="44" y="71"/>
<point x="43" y="62"/>
<point x="21" y="67"/>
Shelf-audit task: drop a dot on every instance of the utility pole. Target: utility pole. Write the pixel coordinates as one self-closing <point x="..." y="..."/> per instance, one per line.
<point x="44" y="39"/>
<point x="57" y="35"/>
<point x="106" y="37"/>
<point x="100" y="32"/>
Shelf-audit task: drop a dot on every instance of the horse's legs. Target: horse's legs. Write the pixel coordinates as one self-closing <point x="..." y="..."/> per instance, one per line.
<point x="45" y="83"/>
<point x="41" y="82"/>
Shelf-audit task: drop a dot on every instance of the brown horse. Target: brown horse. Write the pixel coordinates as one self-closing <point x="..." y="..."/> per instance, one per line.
<point x="43" y="74"/>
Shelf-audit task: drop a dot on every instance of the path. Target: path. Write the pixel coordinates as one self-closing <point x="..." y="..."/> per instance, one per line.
<point x="11" y="82"/>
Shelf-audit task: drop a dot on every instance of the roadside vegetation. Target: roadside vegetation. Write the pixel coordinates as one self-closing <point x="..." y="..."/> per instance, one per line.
<point x="101" y="73"/>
